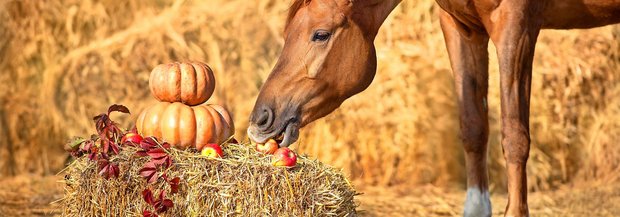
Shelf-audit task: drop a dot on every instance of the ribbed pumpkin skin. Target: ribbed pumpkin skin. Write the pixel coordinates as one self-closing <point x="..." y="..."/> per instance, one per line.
<point x="191" y="83"/>
<point x="186" y="126"/>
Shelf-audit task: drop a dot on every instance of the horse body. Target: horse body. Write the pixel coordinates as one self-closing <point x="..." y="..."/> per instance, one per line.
<point x="317" y="71"/>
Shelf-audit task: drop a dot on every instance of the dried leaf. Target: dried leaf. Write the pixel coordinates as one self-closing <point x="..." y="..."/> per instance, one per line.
<point x="98" y="117"/>
<point x="74" y="144"/>
<point x="118" y="108"/>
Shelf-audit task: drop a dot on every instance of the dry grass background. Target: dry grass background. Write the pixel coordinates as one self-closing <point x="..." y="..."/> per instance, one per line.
<point x="62" y="62"/>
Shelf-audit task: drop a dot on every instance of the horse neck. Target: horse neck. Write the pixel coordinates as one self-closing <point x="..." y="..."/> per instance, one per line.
<point x="370" y="14"/>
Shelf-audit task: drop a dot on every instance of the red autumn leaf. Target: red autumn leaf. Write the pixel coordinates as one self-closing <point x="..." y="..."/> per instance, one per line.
<point x="129" y="143"/>
<point x="147" y="213"/>
<point x="118" y="108"/>
<point x="148" y="196"/>
<point x="163" y="161"/>
<point x="77" y="154"/>
<point x="164" y="205"/>
<point x="150" y="176"/>
<point x="149" y="172"/>
<point x="105" y="156"/>
<point x="98" y="117"/>
<point x="168" y="162"/>
<point x="113" y="170"/>
<point x="141" y="153"/>
<point x="93" y="155"/>
<point x="148" y="143"/>
<point x="103" y="167"/>
<point x="114" y="148"/>
<point x="157" y="153"/>
<point x="87" y="145"/>
<point x="101" y="123"/>
<point x="166" y="145"/>
<point x="174" y="185"/>
<point x="132" y="144"/>
<point x="116" y="131"/>
<point x="107" y="169"/>
<point x="105" y="145"/>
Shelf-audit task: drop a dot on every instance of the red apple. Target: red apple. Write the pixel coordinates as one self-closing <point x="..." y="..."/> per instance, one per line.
<point x="132" y="137"/>
<point x="267" y="148"/>
<point x="284" y="157"/>
<point x="212" y="150"/>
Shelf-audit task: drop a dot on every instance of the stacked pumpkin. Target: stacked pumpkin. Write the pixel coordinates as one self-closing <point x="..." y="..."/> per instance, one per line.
<point x="180" y="118"/>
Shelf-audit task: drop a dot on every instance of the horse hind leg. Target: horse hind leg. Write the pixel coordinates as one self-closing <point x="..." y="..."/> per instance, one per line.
<point x="469" y="59"/>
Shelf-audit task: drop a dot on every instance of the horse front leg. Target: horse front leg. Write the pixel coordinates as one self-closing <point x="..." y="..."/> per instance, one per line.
<point x="514" y="33"/>
<point x="469" y="59"/>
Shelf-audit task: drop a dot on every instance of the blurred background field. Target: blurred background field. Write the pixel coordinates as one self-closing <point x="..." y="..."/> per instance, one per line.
<point x="63" y="62"/>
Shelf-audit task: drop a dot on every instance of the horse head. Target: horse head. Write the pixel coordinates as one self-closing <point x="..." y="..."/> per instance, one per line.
<point x="328" y="56"/>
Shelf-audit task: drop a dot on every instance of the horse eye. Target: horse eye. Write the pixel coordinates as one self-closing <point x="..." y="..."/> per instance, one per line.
<point x="321" y="35"/>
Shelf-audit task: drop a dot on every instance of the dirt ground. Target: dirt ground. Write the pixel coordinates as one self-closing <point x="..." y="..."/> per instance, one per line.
<point x="34" y="196"/>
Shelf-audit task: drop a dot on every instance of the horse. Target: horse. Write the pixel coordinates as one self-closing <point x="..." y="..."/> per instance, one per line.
<point x="329" y="56"/>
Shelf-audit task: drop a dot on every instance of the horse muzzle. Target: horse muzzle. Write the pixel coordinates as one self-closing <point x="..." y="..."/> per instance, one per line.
<point x="265" y="126"/>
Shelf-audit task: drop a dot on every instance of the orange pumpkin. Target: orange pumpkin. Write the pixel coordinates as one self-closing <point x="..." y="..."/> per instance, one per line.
<point x="186" y="126"/>
<point x="191" y="83"/>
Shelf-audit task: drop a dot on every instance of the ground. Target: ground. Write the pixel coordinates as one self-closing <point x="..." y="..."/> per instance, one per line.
<point x="34" y="196"/>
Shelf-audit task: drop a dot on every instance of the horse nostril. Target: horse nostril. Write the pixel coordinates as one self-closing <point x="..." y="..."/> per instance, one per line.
<point x="265" y="119"/>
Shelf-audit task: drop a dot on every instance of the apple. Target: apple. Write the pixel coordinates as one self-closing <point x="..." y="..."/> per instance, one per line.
<point x="267" y="148"/>
<point x="284" y="157"/>
<point x="132" y="137"/>
<point x="212" y="150"/>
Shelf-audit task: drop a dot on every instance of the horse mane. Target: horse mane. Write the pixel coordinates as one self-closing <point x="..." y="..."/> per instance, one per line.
<point x="297" y="4"/>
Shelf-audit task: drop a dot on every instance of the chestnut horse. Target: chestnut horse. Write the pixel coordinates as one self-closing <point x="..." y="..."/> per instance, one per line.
<point x="329" y="55"/>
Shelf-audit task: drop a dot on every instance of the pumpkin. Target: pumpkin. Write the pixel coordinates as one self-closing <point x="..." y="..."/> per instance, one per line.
<point x="191" y="83"/>
<point x="186" y="126"/>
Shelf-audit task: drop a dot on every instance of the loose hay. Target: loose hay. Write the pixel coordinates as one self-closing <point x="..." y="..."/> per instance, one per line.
<point x="242" y="183"/>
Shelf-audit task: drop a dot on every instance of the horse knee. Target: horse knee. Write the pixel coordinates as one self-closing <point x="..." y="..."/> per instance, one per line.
<point x="474" y="138"/>
<point x="516" y="143"/>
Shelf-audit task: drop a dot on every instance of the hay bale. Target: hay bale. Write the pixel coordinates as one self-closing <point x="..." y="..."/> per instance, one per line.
<point x="242" y="183"/>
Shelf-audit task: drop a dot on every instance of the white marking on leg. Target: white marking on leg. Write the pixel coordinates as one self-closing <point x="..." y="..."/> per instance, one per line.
<point x="477" y="203"/>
